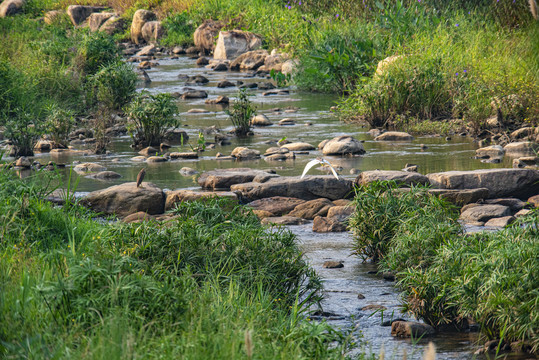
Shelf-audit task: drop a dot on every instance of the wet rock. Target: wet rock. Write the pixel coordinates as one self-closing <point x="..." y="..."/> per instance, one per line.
<point x="149" y="151"/>
<point x="23" y="162"/>
<point x="176" y="136"/>
<point x="139" y="158"/>
<point x="202" y="61"/>
<point x="178" y="196"/>
<point x="276" y="150"/>
<point x="343" y="145"/>
<point x="373" y="307"/>
<point x="309" y="188"/>
<point x="360" y="296"/>
<point x="156" y="159"/>
<point x="197" y="80"/>
<point x="394" y="136"/>
<point x="283" y="220"/>
<point x="88" y="168"/>
<point x="277" y="205"/>
<point x="500" y="222"/>
<point x="95" y="20"/>
<point x="250" y="60"/>
<point x="43" y="145"/>
<point x="490" y="151"/>
<point x="261" y="120"/>
<point x="140" y="18"/>
<point x="483" y="213"/>
<point x="333" y="265"/>
<point x="152" y="31"/>
<point x="287" y="122"/>
<point x="340" y="213"/>
<point x="266" y="86"/>
<point x="327" y="225"/>
<point x="401" y="177"/>
<point x="220" y="100"/>
<point x="105" y="175"/>
<point x="280" y="157"/>
<point x="138" y="217"/>
<point x="183" y="155"/>
<point x="187" y="171"/>
<point x="205" y="34"/>
<point x="225" y="84"/>
<point x="126" y="199"/>
<point x="523" y="148"/>
<point x="520" y="183"/>
<point x="79" y="13"/>
<point x="298" y="146"/>
<point x="220" y="67"/>
<point x="194" y="94"/>
<point x="413" y="329"/>
<point x="198" y="111"/>
<point x="313" y="208"/>
<point x="148" y="50"/>
<point x="243" y="153"/>
<point x="223" y="179"/>
<point x="234" y="43"/>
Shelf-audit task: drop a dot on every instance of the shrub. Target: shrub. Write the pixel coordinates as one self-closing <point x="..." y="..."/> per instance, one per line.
<point x="58" y="124"/>
<point x="179" y="29"/>
<point x="94" y="51"/>
<point x="241" y="113"/>
<point x="150" y="116"/>
<point x="114" y="84"/>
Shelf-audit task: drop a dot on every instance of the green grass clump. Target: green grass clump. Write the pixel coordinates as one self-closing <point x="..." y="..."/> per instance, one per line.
<point x="210" y="283"/>
<point x="241" y="113"/>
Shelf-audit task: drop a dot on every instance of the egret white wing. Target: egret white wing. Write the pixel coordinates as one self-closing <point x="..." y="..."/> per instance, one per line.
<point x="334" y="172"/>
<point x="309" y="165"/>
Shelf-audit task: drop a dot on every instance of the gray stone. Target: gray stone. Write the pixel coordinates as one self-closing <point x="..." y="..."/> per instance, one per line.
<point x="223" y="179"/>
<point x="483" y="213"/>
<point x="342" y="145"/>
<point x="233" y="43"/>
<point x="326" y="225"/>
<point x="413" y="329"/>
<point x="79" y="13"/>
<point x="401" y="177"/>
<point x="140" y="18"/>
<point x="394" y="136"/>
<point x="277" y="205"/>
<point x="313" y="208"/>
<point x="500" y="222"/>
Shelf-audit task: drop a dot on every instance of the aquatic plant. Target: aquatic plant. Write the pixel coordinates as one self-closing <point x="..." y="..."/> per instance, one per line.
<point x="241" y="113"/>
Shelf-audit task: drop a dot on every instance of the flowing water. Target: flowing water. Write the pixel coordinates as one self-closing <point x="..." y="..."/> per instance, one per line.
<point x="314" y="123"/>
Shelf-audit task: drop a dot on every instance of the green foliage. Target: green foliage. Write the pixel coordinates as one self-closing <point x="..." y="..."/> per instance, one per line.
<point x="58" y="124"/>
<point x="114" y="84"/>
<point x="179" y="30"/>
<point x="150" y="116"/>
<point x="280" y="78"/>
<point x="241" y="113"/>
<point x="94" y="51"/>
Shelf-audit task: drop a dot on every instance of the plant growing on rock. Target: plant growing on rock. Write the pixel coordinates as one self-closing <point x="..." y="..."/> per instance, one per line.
<point x="150" y="116"/>
<point x="241" y="113"/>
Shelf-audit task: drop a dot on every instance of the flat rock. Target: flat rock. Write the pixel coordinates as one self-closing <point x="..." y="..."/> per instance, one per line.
<point x="483" y="213"/>
<point x="277" y="205"/>
<point x="126" y="199"/>
<point x="327" y="224"/>
<point x="500" y="222"/>
<point x="513" y="204"/>
<point x="332" y="264"/>
<point x="308" y="188"/>
<point x="313" y="208"/>
<point x="243" y="153"/>
<point x="461" y="197"/>
<point x="184" y="155"/>
<point x="280" y="157"/>
<point x="138" y="217"/>
<point x="394" y="136"/>
<point x="105" y="175"/>
<point x="522" y="148"/>
<point x="223" y="179"/>
<point x="519" y="183"/>
<point x="490" y="151"/>
<point x="156" y="159"/>
<point x="401" y="177"/>
<point x="298" y="146"/>
<point x="283" y="220"/>
<point x="181" y="195"/>
<point x="343" y="145"/>
<point x="405" y="329"/>
<point x="88" y="168"/>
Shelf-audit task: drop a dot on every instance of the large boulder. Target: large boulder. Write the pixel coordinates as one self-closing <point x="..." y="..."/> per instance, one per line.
<point x="520" y="183"/>
<point x="394" y="136"/>
<point x="11" y="7"/>
<point x="492" y="151"/>
<point x="95" y="20"/>
<point x="401" y="177"/>
<point x="343" y="145"/>
<point x="309" y="188"/>
<point x="251" y="60"/>
<point x="233" y="43"/>
<point x="152" y="31"/>
<point x="126" y="199"/>
<point x="79" y="13"/>
<point x="326" y="225"/>
<point x="298" y="146"/>
<point x="243" y="153"/>
<point x="483" y="213"/>
<point x="261" y="120"/>
<point x="205" y="34"/>
<point x="313" y="208"/>
<point x="53" y="16"/>
<point x="223" y="179"/>
<point x="522" y="148"/>
<point x="341" y="213"/>
<point x="113" y="25"/>
<point x="179" y="196"/>
<point x="88" y="168"/>
<point x="140" y="18"/>
<point x="277" y="205"/>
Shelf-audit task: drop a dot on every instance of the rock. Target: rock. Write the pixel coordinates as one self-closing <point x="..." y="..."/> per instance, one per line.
<point x="343" y="145"/>
<point x="156" y="159"/>
<point x="513" y="204"/>
<point x="250" y="60"/>
<point x="373" y="307"/>
<point x="79" y="13"/>
<point x="205" y="34"/>
<point x="176" y="136"/>
<point x="309" y="188"/>
<point x="277" y="205"/>
<point x="140" y="18"/>
<point x="114" y="25"/>
<point x="522" y="133"/>
<point x="298" y="146"/>
<point x="194" y="94"/>
<point x="283" y="220"/>
<point x="43" y="145"/>
<point x="225" y="84"/>
<point x="139" y="158"/>
<point x="280" y="157"/>
<point x="313" y="208"/>
<point x="221" y="67"/>
<point x="149" y="151"/>
<point x="105" y="175"/>
<point x="490" y="151"/>
<point x="192" y="50"/>
<point x="197" y="111"/>
<point x="197" y="80"/>
<point x="461" y="197"/>
<point x="534" y="201"/>
<point x="148" y="50"/>
<point x="202" y="61"/>
<point x="261" y="120"/>
<point x="520" y="183"/>
<point x="483" y="213"/>
<point x="523" y="212"/>
<point x="187" y="171"/>
<point x="389" y="276"/>
<point x="223" y="179"/>
<point x="126" y="199"/>
<point x="152" y="31"/>
<point x="394" y="136"/>
<point x="11" y="7"/>
<point x="95" y="20"/>
<point x="407" y="329"/>
<point x="385" y="64"/>
<point x="401" y="177"/>
<point x="500" y="222"/>
<point x="50" y="16"/>
<point x="523" y="148"/>
<point x="89" y="167"/>
<point x="287" y="121"/>
<point x="179" y="196"/>
<point x="276" y="150"/>
<point x="234" y="43"/>
<point x="525" y="161"/>
<point x="266" y="86"/>
<point x="220" y="100"/>
<point x="360" y="296"/>
<point x="289" y="66"/>
<point x="23" y="162"/>
<point x="340" y="213"/>
<point x="333" y="264"/>
<point x="342" y="202"/>
<point x="183" y="155"/>
<point x="326" y="225"/>
<point x="243" y="153"/>
<point x="322" y="144"/>
<point x="274" y="62"/>
<point x="116" y="130"/>
<point x="138" y="217"/>
<point x="178" y="50"/>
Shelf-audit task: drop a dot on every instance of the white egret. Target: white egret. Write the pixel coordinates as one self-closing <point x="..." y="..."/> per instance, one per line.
<point x="316" y="161"/>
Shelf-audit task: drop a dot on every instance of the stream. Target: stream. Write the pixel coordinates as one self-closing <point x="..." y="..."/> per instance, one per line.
<point x="314" y="123"/>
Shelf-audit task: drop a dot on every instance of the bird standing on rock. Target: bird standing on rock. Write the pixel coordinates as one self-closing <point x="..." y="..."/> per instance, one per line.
<point x="140" y="176"/>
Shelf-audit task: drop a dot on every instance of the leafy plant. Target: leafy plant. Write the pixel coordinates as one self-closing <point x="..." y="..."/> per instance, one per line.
<point x="241" y="113"/>
<point x="281" y="79"/>
<point x="59" y="123"/>
<point x="114" y="84"/>
<point x="94" y="51"/>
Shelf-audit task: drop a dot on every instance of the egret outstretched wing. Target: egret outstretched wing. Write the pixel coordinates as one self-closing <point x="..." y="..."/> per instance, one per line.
<point x="309" y="165"/>
<point x="333" y="171"/>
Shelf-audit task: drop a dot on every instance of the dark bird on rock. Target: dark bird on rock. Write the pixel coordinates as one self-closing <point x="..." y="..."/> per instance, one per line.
<point x="140" y="176"/>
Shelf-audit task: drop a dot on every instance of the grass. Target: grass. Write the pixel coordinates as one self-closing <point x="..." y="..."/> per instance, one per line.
<point x="199" y="286"/>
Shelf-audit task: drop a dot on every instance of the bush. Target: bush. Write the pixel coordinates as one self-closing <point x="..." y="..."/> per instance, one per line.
<point x="241" y="113"/>
<point x="179" y="29"/>
<point x="58" y="124"/>
<point x="114" y="84"/>
<point x="150" y="116"/>
<point x="94" y="51"/>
